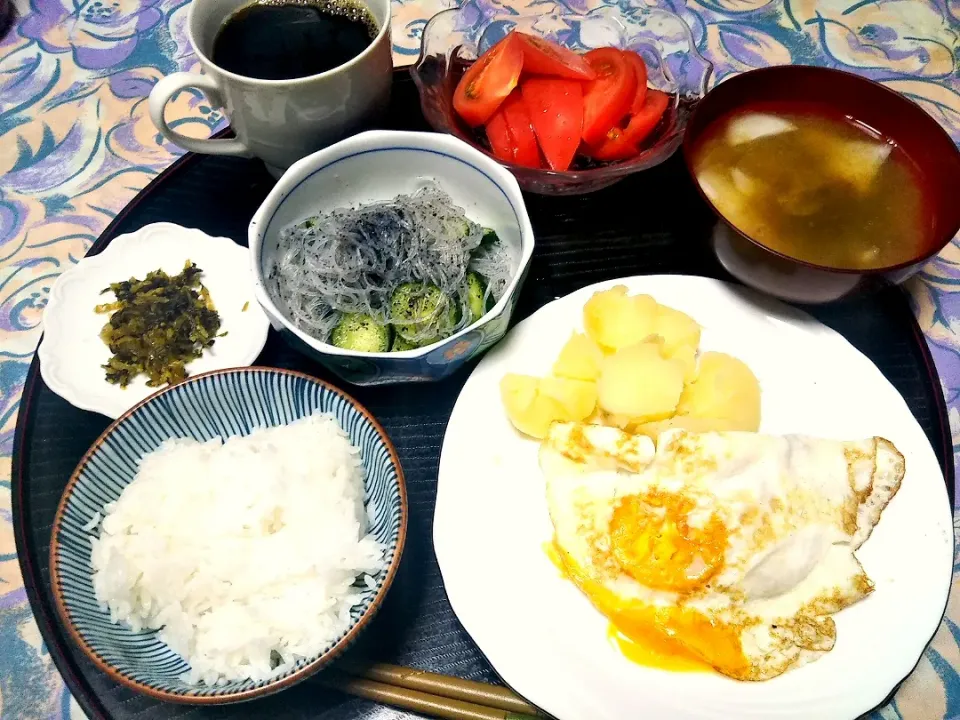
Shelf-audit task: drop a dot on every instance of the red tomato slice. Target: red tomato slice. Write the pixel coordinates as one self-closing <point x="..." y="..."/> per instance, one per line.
<point x="525" y="149"/>
<point x="621" y="143"/>
<point x="542" y="57"/>
<point x="488" y="82"/>
<point x="608" y="98"/>
<point x="555" y="106"/>
<point x="643" y="122"/>
<point x="640" y="69"/>
<point x="499" y="137"/>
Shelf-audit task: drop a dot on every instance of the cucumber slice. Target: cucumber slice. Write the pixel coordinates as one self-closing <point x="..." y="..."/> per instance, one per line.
<point x="478" y="303"/>
<point x="360" y="333"/>
<point x="422" y="313"/>
<point x="400" y="344"/>
<point x="489" y="239"/>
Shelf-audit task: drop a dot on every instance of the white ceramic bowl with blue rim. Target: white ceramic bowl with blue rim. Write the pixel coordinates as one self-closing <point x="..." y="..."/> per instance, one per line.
<point x="222" y="403"/>
<point x="373" y="167"/>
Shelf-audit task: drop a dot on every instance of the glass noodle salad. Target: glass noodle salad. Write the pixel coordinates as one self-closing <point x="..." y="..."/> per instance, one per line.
<point x="389" y="276"/>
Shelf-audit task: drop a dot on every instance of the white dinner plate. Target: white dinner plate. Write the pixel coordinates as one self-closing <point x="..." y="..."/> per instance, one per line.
<point x="72" y="353"/>
<point x="544" y="637"/>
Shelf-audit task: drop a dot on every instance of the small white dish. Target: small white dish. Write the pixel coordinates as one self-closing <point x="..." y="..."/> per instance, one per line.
<point x="543" y="636"/>
<point x="72" y="353"/>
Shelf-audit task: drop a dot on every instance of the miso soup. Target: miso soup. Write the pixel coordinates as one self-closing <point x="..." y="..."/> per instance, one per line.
<point x="814" y="186"/>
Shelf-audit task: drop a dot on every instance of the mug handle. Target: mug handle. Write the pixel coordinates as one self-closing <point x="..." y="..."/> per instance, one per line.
<point x="170" y="86"/>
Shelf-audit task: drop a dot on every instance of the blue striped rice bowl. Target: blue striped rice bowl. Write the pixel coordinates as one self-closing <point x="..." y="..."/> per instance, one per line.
<point x="218" y="404"/>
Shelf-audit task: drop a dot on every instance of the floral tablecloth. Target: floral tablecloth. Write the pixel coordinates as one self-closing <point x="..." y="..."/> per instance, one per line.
<point x="76" y="145"/>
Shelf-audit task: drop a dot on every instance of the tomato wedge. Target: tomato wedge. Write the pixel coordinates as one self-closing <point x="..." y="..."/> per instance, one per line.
<point x="555" y="106"/>
<point x="489" y="81"/>
<point x="498" y="136"/>
<point x="511" y="135"/>
<point x="542" y="57"/>
<point x="608" y="98"/>
<point x="621" y="143"/>
<point x="525" y="149"/>
<point x="640" y="69"/>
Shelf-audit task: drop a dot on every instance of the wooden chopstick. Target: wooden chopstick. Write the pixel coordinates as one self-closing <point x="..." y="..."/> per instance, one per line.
<point x="437" y="696"/>
<point x="445" y="686"/>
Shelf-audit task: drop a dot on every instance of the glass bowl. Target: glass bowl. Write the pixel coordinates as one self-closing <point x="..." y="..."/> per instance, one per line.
<point x="455" y="38"/>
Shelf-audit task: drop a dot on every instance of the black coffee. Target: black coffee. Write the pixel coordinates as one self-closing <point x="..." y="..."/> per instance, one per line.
<point x="276" y="40"/>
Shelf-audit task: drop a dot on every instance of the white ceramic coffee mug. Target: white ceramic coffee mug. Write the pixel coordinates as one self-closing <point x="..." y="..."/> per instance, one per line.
<point x="279" y="121"/>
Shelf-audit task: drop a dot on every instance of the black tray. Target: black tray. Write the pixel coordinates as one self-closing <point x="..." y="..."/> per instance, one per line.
<point x="653" y="222"/>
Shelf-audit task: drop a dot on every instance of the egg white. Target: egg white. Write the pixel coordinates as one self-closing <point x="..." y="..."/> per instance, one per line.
<point x="788" y="510"/>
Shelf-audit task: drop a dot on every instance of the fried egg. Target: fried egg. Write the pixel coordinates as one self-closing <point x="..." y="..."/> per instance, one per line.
<point x="731" y="548"/>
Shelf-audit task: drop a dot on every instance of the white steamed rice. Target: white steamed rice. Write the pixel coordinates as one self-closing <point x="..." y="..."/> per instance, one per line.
<point x="243" y="553"/>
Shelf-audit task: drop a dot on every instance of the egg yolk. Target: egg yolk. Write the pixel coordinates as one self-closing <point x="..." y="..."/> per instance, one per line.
<point x="655" y="650"/>
<point x="674" y="638"/>
<point x="652" y="540"/>
<point x="553" y="554"/>
<point x="669" y="638"/>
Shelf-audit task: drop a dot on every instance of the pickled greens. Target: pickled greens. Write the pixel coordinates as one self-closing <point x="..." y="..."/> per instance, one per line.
<point x="157" y="325"/>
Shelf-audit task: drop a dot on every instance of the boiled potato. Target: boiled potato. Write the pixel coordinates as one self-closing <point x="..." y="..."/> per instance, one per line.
<point x="725" y="389"/>
<point x="624" y="422"/>
<point x="639" y="383"/>
<point x="530" y="411"/>
<point x="636" y="367"/>
<point x="597" y="417"/>
<point x="517" y="392"/>
<point x="686" y="356"/>
<point x="579" y="359"/>
<point x="677" y="329"/>
<point x="616" y="320"/>
<point x="683" y="354"/>
<point x="533" y="403"/>
<point x="578" y="398"/>
<point x="684" y="422"/>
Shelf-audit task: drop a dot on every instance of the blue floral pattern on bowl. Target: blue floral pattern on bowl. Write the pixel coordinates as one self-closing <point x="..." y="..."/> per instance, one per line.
<point x="218" y="404"/>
